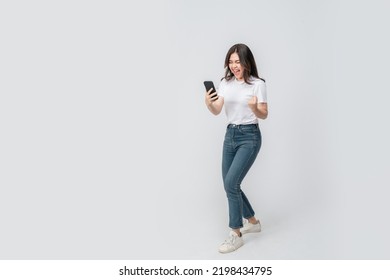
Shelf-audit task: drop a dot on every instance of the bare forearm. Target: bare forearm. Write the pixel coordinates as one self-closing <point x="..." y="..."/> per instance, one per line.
<point x="214" y="106"/>
<point x="260" y="113"/>
<point x="213" y="109"/>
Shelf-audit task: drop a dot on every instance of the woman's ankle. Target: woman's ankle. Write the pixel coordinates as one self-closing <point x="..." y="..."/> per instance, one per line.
<point x="252" y="220"/>
<point x="238" y="232"/>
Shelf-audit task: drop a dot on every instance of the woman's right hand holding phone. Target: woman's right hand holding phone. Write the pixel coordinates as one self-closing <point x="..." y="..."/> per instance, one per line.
<point x="213" y="102"/>
<point x="210" y="97"/>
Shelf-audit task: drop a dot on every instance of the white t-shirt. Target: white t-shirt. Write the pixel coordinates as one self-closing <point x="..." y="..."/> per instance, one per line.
<point x="236" y="95"/>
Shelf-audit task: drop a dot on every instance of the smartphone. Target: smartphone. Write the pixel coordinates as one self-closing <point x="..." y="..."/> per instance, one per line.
<point x="208" y="85"/>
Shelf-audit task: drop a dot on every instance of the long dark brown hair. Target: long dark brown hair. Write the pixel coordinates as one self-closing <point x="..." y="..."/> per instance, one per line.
<point x="247" y="61"/>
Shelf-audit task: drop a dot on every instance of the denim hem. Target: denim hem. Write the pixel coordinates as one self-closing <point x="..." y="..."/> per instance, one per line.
<point x="236" y="227"/>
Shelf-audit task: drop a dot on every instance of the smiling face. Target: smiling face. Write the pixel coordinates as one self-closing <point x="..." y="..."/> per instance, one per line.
<point x="236" y="67"/>
<point x="240" y="64"/>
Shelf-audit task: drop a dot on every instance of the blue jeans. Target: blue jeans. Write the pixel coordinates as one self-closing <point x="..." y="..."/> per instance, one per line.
<point x="240" y="148"/>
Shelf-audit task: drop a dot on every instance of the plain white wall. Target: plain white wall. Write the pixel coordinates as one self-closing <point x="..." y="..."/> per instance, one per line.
<point x="107" y="149"/>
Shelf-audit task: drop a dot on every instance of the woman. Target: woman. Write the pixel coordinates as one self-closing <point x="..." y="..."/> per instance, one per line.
<point x="243" y="94"/>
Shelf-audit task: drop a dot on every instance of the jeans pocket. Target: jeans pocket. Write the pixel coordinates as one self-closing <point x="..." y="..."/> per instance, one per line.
<point x="247" y="130"/>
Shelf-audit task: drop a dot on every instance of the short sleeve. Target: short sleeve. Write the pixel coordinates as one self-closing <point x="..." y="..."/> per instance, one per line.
<point x="261" y="92"/>
<point x="221" y="88"/>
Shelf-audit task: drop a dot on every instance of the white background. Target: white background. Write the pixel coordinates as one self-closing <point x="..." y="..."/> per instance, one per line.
<point x="108" y="152"/>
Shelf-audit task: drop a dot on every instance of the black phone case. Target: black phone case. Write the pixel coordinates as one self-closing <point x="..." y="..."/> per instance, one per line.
<point x="209" y="85"/>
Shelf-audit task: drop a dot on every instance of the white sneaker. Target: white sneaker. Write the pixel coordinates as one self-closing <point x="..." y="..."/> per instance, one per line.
<point x="232" y="243"/>
<point x="251" y="228"/>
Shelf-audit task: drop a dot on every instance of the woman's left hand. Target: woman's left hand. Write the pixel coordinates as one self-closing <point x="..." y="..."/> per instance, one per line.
<point x="259" y="109"/>
<point x="252" y="103"/>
